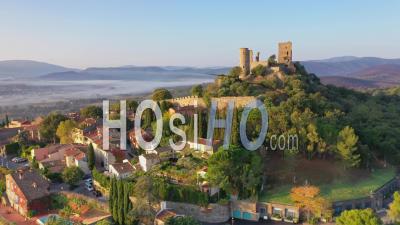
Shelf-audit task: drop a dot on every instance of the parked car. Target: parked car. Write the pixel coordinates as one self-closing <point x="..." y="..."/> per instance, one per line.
<point x="18" y="160"/>
<point x="89" y="187"/>
<point x="89" y="181"/>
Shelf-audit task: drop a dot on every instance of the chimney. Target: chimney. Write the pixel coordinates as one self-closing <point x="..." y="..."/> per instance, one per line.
<point x="34" y="185"/>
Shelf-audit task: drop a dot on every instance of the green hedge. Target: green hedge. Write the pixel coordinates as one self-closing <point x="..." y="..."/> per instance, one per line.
<point x="177" y="193"/>
<point x="102" y="179"/>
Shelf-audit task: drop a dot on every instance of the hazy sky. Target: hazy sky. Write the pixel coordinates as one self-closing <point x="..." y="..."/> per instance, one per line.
<point x="196" y="33"/>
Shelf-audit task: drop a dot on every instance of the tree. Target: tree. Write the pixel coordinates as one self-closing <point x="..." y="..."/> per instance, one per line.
<point x="22" y="138"/>
<point x="49" y="126"/>
<point x="91" y="157"/>
<point x="7" y="121"/>
<point x="358" y="217"/>
<point x="161" y="94"/>
<point x="272" y="60"/>
<point x="186" y="220"/>
<point x="236" y="170"/>
<point x="259" y="70"/>
<point x="308" y="198"/>
<point x="92" y="111"/>
<point x="72" y="175"/>
<point x="394" y="208"/>
<point x="235" y="136"/>
<point x="347" y="147"/>
<point x="197" y="90"/>
<point x="64" y="131"/>
<point x="147" y="118"/>
<point x="235" y="71"/>
<point x="132" y="105"/>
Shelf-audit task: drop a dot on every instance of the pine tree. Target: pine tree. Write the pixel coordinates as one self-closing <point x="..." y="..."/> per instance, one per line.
<point x="91" y="157"/>
<point x="347" y="147"/>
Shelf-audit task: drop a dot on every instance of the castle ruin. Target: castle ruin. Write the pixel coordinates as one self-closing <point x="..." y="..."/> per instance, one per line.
<point x="247" y="61"/>
<point x="285" y="53"/>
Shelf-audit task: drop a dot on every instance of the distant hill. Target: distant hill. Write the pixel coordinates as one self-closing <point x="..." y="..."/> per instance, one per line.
<point x="349" y="82"/>
<point x="137" y="73"/>
<point x="345" y="66"/>
<point x="355" y="72"/>
<point x="28" y="68"/>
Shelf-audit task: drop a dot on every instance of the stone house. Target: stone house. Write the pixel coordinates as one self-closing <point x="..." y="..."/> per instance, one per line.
<point x="202" y="146"/>
<point x="28" y="192"/>
<point x="147" y="161"/>
<point x="121" y="170"/>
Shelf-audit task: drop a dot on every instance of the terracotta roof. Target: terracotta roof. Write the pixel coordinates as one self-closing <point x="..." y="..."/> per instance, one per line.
<point x="76" y="153"/>
<point x="32" y="184"/>
<point x="122" y="168"/>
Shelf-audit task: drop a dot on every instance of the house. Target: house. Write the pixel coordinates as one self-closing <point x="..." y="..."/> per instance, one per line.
<point x="203" y="184"/>
<point x="163" y="216"/>
<point x="203" y="147"/>
<point x="164" y="152"/>
<point x="18" y="123"/>
<point x="28" y="192"/>
<point x="121" y="170"/>
<point x="94" y="136"/>
<point x="56" y="157"/>
<point x="33" y="129"/>
<point x="147" y="161"/>
<point x="76" y="157"/>
<point x="33" y="132"/>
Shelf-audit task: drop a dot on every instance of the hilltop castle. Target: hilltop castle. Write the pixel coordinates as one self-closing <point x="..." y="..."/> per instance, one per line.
<point x="247" y="61"/>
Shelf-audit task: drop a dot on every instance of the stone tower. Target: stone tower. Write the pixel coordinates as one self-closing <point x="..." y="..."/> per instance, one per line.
<point x="285" y="53"/>
<point x="244" y="61"/>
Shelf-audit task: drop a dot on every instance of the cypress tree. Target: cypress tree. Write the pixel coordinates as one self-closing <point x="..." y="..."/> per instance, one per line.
<point x="120" y="209"/>
<point x="91" y="157"/>
<point x="7" y="120"/>
<point x="191" y="129"/>
<point x="235" y="136"/>
<point x="201" y="125"/>
<point x="110" y="200"/>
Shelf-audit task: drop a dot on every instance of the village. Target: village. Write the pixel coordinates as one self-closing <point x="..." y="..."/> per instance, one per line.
<point x="55" y="167"/>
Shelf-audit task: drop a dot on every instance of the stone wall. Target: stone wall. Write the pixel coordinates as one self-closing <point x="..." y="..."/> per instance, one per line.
<point x="377" y="200"/>
<point x="222" y="101"/>
<point x="214" y="213"/>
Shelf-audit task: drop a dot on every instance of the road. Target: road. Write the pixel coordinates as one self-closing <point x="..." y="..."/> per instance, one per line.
<point x="6" y="162"/>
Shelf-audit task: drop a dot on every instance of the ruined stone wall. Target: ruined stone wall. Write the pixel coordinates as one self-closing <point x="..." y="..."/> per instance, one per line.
<point x="222" y="101"/>
<point x="187" y="101"/>
<point x="239" y="101"/>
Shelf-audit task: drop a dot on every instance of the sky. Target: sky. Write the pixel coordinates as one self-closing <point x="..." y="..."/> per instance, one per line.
<point x="92" y="33"/>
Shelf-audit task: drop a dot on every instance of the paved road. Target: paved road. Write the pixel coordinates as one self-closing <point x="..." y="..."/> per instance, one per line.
<point x="6" y="162"/>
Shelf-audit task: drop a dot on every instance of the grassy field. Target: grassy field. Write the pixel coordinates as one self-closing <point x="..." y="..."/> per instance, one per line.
<point x="340" y="189"/>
